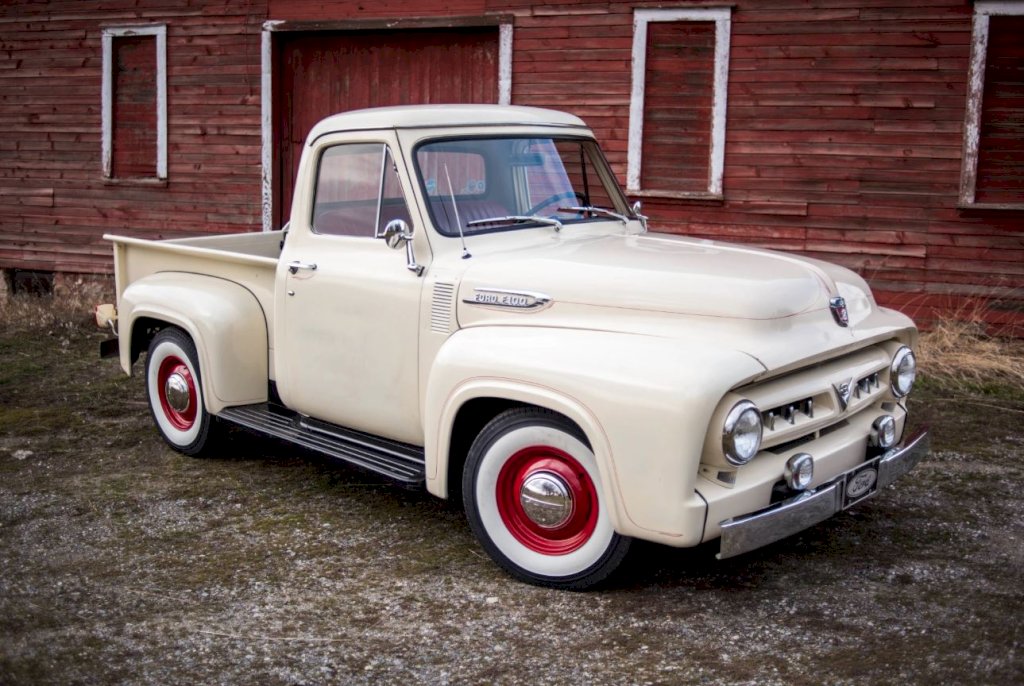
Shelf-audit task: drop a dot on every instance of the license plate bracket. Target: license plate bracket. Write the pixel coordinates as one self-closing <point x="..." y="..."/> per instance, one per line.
<point x="861" y="483"/>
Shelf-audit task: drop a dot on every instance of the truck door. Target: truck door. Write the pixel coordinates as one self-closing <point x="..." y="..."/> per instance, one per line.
<point x="347" y="305"/>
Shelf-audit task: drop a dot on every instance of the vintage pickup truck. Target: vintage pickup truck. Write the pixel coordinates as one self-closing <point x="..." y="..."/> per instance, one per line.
<point x="464" y="300"/>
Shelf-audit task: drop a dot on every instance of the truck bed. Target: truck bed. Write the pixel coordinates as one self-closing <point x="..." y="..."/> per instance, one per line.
<point x="249" y="259"/>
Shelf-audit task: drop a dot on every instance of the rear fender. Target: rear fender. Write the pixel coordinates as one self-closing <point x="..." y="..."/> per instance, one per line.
<point x="225" y="321"/>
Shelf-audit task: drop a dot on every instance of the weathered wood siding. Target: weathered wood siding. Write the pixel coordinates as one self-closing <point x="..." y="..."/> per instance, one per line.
<point x="844" y="130"/>
<point x="323" y="72"/>
<point x="54" y="203"/>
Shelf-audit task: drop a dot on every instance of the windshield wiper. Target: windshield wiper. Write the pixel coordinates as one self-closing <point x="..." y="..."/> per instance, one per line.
<point x="597" y="210"/>
<point x="518" y="219"/>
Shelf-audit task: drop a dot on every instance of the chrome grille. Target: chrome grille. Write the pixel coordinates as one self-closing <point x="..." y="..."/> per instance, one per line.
<point x="788" y="412"/>
<point x="868" y="385"/>
<point x="800" y="405"/>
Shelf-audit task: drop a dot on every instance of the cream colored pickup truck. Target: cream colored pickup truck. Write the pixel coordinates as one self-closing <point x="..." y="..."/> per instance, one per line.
<point x="464" y="300"/>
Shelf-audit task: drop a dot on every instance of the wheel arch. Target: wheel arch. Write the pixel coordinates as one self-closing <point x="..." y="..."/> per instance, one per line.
<point x="476" y="401"/>
<point x="469" y="421"/>
<point x="224" y="320"/>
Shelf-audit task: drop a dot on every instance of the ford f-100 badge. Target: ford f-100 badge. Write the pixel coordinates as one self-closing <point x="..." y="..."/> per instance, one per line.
<point x="516" y="300"/>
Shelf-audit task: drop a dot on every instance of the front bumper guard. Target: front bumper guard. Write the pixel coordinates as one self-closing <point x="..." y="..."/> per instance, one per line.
<point x="783" y="519"/>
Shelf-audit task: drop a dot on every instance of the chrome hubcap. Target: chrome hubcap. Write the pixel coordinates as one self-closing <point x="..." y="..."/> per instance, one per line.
<point x="546" y="500"/>
<point x="176" y="392"/>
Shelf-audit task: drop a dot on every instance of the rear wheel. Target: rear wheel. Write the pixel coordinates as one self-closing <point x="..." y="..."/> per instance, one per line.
<point x="174" y="389"/>
<point x="533" y="498"/>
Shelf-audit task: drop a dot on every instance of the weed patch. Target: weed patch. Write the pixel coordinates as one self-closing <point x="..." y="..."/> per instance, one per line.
<point x="958" y="352"/>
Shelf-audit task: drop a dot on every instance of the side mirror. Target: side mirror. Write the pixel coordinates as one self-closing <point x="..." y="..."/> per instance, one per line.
<point x="636" y="212"/>
<point x="396" y="234"/>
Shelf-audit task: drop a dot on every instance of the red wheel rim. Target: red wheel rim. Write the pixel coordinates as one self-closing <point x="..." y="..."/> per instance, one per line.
<point x="569" y="535"/>
<point x="180" y="419"/>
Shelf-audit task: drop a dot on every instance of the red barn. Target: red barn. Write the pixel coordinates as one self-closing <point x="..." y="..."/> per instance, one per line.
<point x="887" y="135"/>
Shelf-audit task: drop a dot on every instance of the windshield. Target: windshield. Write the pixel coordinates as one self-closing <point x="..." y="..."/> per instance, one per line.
<point x="497" y="184"/>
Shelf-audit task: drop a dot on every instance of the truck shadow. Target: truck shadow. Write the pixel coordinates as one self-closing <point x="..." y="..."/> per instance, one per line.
<point x="826" y="551"/>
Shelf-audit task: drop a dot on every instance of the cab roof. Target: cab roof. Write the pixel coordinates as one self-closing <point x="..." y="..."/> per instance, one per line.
<point x="431" y="116"/>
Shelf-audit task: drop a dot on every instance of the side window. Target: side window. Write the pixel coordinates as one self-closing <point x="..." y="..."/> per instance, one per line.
<point x="357" y="191"/>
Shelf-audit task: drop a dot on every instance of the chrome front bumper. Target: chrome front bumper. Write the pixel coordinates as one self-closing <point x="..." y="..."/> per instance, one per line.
<point x="783" y="519"/>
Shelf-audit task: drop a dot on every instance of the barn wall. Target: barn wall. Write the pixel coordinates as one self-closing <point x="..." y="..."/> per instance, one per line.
<point x="55" y="204"/>
<point x="844" y="130"/>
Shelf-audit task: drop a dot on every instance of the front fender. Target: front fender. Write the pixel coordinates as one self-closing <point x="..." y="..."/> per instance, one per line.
<point x="643" y="402"/>
<point x="225" y="321"/>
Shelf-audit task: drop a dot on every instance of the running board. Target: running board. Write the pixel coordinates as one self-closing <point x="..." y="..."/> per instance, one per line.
<point x="399" y="461"/>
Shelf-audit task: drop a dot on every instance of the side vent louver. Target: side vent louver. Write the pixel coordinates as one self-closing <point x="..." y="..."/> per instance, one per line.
<point x="441" y="307"/>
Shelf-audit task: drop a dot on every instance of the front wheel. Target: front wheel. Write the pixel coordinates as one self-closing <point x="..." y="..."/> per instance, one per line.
<point x="533" y="498"/>
<point x="175" y="392"/>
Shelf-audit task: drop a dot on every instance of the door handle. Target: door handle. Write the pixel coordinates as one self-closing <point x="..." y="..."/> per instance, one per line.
<point x="295" y="266"/>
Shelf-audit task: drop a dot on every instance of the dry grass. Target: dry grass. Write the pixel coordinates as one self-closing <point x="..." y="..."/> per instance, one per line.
<point x="42" y="313"/>
<point x="70" y="307"/>
<point x="961" y="352"/>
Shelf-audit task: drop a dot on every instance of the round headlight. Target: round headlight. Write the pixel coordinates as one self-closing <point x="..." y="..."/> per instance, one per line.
<point x="902" y="372"/>
<point x="741" y="433"/>
<point x="799" y="471"/>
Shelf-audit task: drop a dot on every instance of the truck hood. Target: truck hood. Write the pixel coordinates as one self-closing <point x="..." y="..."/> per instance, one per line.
<point x="659" y="284"/>
<point x="664" y="274"/>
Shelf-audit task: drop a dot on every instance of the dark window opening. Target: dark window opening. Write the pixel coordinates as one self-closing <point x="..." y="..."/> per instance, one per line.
<point x="134" y="111"/>
<point x="1000" y="176"/>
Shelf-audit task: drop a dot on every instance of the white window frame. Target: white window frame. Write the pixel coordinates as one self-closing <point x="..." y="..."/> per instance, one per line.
<point x="975" y="93"/>
<point x="160" y="32"/>
<point x="722" y="17"/>
<point x="267" y="104"/>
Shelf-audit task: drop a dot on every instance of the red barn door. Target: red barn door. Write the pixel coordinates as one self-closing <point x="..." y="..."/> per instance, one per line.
<point x="326" y="72"/>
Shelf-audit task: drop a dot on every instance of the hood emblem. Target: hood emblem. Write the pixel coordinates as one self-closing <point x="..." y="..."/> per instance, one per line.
<point x="844" y="389"/>
<point x="839" y="311"/>
<point x="512" y="300"/>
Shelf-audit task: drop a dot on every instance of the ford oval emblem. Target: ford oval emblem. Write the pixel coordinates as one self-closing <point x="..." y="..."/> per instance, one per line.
<point x="861" y="484"/>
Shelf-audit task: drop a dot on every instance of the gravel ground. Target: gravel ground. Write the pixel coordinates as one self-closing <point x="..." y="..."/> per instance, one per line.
<point x="124" y="562"/>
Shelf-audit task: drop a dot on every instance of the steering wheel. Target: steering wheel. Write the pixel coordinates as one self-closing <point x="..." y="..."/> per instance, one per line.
<point x="551" y="199"/>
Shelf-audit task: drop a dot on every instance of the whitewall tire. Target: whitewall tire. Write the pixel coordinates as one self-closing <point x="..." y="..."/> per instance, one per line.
<point x="533" y="497"/>
<point x="174" y="390"/>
